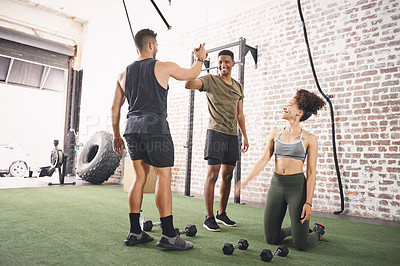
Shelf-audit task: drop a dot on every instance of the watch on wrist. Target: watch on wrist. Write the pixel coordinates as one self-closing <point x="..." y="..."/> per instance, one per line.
<point x="200" y="59"/>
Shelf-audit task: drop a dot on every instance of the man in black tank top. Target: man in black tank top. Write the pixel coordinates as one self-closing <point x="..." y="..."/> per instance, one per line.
<point x="144" y="84"/>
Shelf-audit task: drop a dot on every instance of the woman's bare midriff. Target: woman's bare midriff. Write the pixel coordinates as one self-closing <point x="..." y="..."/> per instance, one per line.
<point x="288" y="166"/>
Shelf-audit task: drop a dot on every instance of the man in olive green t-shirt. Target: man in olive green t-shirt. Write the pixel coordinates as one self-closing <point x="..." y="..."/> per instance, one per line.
<point x="225" y="105"/>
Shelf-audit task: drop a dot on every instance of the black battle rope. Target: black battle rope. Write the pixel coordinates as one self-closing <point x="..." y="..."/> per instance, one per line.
<point x="129" y="21"/>
<point x="158" y="10"/>
<point x="161" y="15"/>
<point x="331" y="109"/>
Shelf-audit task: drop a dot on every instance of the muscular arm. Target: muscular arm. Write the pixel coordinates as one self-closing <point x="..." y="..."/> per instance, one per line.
<point x="194" y="84"/>
<point x="242" y="125"/>
<point x="164" y="70"/>
<point x="311" y="176"/>
<point x="180" y="73"/>
<point x="119" y="99"/>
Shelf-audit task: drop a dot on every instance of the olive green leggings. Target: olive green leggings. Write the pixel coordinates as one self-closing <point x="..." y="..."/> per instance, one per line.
<point x="287" y="190"/>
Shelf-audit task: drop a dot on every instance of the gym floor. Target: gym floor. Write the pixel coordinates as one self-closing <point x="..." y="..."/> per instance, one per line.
<point x="20" y="182"/>
<point x="31" y="182"/>
<point x="86" y="225"/>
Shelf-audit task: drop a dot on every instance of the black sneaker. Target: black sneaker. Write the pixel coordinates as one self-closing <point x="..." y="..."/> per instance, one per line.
<point x="134" y="239"/>
<point x="224" y="219"/>
<point x="174" y="243"/>
<point x="320" y="229"/>
<point x="211" y="225"/>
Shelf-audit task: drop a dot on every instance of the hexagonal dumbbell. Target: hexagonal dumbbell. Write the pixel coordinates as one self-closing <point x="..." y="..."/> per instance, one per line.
<point x="229" y="248"/>
<point x="148" y="225"/>
<point x="190" y="230"/>
<point x="267" y="255"/>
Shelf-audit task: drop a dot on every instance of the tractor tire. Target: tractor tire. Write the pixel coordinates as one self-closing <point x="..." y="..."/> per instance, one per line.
<point x="97" y="161"/>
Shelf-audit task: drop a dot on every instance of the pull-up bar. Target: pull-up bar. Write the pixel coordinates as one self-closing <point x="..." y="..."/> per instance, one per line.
<point x="222" y="47"/>
<point x="240" y="43"/>
<point x="243" y="50"/>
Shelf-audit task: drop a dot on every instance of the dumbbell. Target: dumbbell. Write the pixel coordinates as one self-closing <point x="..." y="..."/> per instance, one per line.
<point x="267" y="255"/>
<point x="229" y="248"/>
<point x="148" y="225"/>
<point x="190" y="230"/>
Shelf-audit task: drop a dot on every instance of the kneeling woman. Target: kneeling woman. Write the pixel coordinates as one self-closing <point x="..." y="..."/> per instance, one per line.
<point x="289" y="187"/>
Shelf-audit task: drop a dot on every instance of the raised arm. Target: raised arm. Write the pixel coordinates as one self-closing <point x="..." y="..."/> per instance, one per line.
<point x="164" y="70"/>
<point x="180" y="73"/>
<point x="312" y="152"/>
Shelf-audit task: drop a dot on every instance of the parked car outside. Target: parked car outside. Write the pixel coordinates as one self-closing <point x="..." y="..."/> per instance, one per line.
<point x="14" y="159"/>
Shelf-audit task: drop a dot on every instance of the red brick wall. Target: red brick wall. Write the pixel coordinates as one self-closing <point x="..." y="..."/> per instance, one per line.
<point x="356" y="52"/>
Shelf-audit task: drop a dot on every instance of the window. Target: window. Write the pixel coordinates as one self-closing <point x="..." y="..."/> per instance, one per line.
<point x="18" y="72"/>
<point x="33" y="61"/>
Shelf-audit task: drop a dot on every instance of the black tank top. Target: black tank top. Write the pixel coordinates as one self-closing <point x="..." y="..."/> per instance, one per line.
<point x="147" y="99"/>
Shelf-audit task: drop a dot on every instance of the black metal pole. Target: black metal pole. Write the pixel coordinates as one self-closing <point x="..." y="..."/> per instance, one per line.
<point x="189" y="141"/>
<point x="238" y="169"/>
<point x="331" y="110"/>
<point x="69" y="138"/>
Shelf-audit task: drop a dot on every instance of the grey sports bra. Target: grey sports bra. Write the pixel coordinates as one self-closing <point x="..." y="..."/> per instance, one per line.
<point x="294" y="150"/>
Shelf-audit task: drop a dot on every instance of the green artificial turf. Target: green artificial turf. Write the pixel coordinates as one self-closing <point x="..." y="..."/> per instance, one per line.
<point x="86" y="225"/>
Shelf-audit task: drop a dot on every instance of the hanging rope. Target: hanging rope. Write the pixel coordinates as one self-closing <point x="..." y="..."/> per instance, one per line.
<point x="331" y="109"/>
<point x="129" y="21"/>
<point x="161" y="15"/>
<point x="158" y="10"/>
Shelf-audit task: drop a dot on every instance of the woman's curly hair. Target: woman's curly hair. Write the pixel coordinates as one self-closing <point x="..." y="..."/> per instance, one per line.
<point x="308" y="102"/>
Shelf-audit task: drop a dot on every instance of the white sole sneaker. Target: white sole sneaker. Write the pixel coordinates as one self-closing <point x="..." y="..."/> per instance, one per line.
<point x="210" y="229"/>
<point x="222" y="222"/>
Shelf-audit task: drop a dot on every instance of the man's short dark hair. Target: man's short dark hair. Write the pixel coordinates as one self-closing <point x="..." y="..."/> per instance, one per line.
<point x="226" y="52"/>
<point x="142" y="37"/>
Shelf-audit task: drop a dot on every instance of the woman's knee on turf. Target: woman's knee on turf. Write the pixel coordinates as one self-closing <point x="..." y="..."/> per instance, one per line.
<point x="300" y="244"/>
<point x="272" y="238"/>
<point x="273" y="241"/>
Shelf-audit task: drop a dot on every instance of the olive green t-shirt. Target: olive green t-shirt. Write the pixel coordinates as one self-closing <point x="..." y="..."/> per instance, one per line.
<point x="222" y="100"/>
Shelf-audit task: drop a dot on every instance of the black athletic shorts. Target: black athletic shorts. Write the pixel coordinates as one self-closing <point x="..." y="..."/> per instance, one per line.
<point x="154" y="149"/>
<point x="221" y="148"/>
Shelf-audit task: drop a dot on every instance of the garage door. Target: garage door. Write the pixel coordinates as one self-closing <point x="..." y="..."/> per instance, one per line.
<point x="33" y="82"/>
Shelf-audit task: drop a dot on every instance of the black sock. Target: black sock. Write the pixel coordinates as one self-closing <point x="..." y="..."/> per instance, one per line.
<point x="167" y="226"/>
<point x="134" y="219"/>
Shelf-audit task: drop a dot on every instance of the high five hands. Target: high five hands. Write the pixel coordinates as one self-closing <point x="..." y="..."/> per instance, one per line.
<point x="200" y="52"/>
